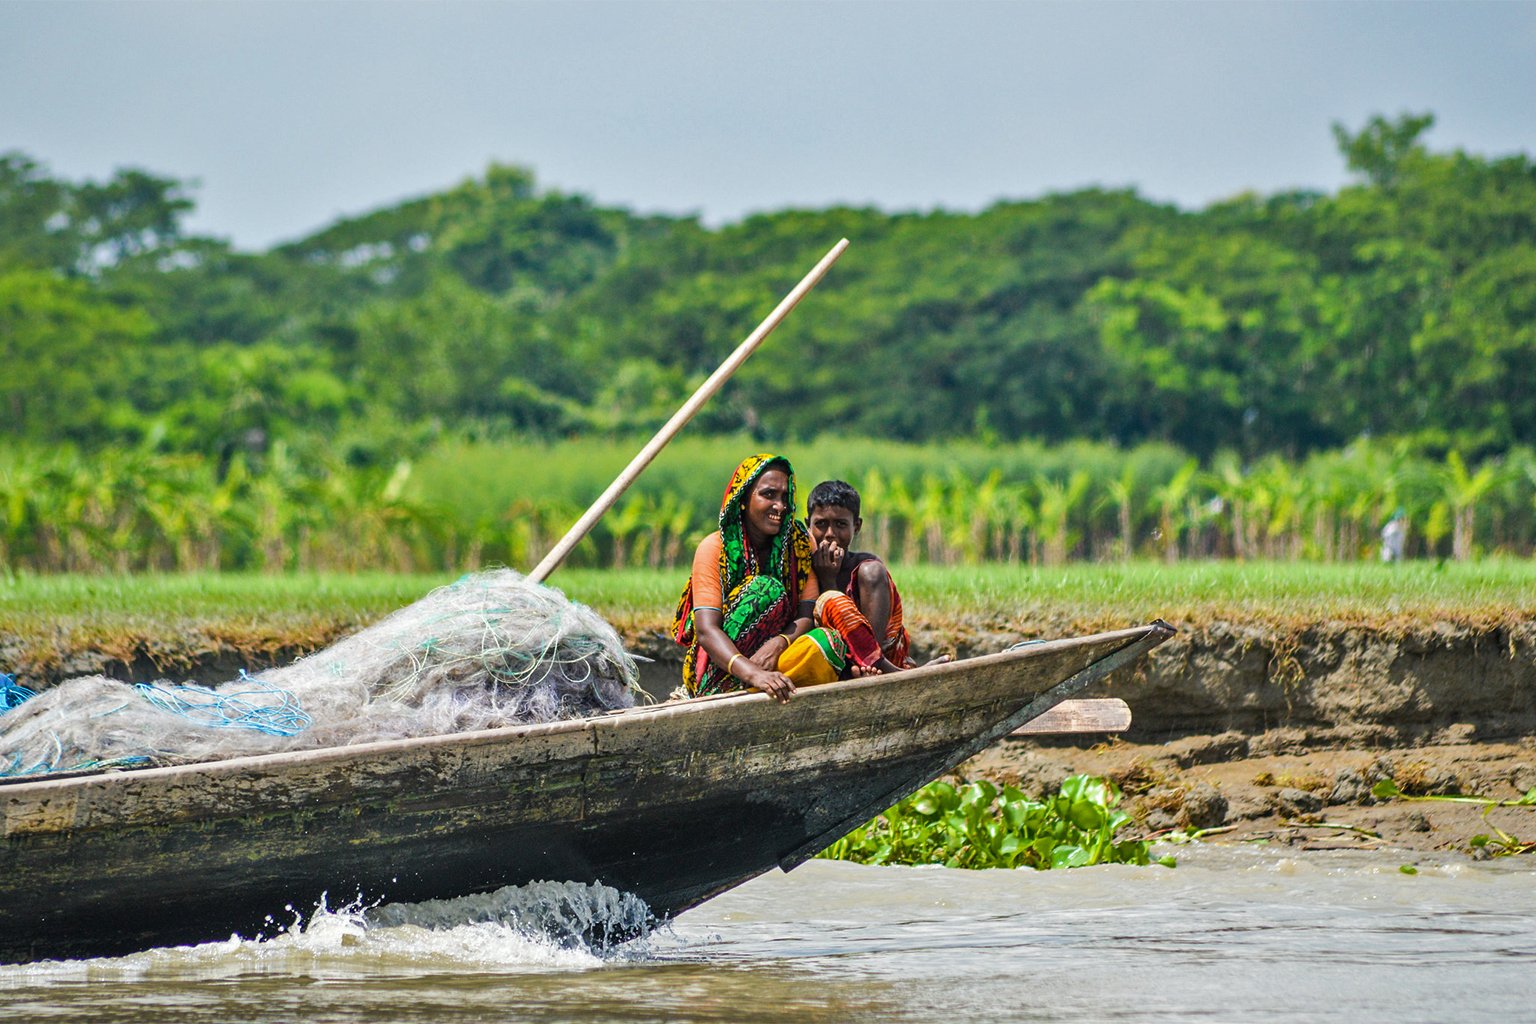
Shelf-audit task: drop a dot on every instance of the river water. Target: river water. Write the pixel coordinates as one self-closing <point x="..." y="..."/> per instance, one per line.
<point x="1231" y="934"/>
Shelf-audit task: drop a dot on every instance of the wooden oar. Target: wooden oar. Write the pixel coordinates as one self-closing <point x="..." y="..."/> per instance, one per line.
<point x="682" y="416"/>
<point x="1086" y="715"/>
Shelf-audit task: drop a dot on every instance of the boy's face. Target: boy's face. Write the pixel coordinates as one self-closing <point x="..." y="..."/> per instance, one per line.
<point x="834" y="523"/>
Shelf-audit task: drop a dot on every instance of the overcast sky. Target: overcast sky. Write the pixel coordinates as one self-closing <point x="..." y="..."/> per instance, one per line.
<point x="290" y="115"/>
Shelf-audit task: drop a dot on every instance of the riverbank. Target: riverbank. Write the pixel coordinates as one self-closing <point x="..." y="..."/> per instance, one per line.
<point x="1287" y="693"/>
<point x="1254" y="731"/>
<point x="1252" y="734"/>
<point x="1304" y="799"/>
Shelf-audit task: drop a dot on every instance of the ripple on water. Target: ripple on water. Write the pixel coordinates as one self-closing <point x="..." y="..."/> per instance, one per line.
<point x="1233" y="933"/>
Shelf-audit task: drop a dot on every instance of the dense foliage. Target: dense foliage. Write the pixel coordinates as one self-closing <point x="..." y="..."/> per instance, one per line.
<point x="979" y="825"/>
<point x="1404" y="305"/>
<point x="1267" y="377"/>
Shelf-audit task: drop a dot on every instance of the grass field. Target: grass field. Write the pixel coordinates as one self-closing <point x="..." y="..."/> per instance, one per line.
<point x="1087" y="596"/>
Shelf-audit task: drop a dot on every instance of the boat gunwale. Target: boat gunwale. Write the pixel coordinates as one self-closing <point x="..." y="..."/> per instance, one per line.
<point x="280" y="761"/>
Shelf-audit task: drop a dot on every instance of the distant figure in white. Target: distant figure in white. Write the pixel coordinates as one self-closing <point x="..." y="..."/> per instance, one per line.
<point x="1393" y="536"/>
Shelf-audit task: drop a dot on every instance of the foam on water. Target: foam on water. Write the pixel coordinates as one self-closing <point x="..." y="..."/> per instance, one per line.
<point x="595" y="917"/>
<point x="543" y="926"/>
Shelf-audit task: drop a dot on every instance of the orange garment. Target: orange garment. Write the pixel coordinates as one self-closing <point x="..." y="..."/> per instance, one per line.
<point x="896" y="644"/>
<point x="836" y="611"/>
<point x="761" y="597"/>
<point x="706" y="576"/>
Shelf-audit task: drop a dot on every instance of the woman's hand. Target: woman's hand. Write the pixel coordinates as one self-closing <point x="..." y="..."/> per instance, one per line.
<point x="775" y="684"/>
<point x="767" y="656"/>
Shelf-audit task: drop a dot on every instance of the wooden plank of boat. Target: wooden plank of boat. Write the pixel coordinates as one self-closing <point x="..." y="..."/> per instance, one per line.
<point x="674" y="803"/>
<point x="1078" y="717"/>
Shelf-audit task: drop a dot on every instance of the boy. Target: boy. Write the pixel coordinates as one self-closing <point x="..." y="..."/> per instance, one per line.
<point x="858" y="597"/>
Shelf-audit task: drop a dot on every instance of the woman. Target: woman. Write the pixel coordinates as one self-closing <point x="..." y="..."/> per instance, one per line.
<point x="745" y="614"/>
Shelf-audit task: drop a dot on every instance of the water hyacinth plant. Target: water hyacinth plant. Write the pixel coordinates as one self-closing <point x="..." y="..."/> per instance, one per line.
<point x="1497" y="844"/>
<point x="979" y="825"/>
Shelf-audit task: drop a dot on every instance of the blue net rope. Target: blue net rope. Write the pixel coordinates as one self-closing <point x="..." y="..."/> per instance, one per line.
<point x="15" y="767"/>
<point x="261" y="708"/>
<point x="12" y="693"/>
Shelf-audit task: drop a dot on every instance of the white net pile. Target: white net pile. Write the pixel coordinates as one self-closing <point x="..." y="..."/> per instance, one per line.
<point x="490" y="650"/>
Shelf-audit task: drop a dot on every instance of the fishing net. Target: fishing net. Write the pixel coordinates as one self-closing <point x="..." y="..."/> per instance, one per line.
<point x="490" y="650"/>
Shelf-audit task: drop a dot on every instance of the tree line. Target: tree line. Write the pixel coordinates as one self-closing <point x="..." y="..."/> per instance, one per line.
<point x="1397" y="314"/>
<point x="1403" y="306"/>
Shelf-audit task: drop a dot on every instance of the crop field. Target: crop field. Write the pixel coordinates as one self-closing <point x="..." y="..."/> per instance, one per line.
<point x="961" y="504"/>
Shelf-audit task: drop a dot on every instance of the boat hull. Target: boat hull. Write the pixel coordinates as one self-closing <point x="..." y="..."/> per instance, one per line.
<point x="674" y="803"/>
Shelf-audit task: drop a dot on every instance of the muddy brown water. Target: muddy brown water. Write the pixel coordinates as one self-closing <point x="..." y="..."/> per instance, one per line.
<point x="1231" y="934"/>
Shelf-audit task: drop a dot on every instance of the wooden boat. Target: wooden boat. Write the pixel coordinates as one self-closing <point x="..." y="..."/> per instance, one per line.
<point x="674" y="803"/>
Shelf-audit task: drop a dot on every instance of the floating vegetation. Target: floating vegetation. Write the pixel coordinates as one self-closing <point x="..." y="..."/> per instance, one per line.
<point x="978" y="825"/>
<point x="1499" y="844"/>
<point x="1387" y="789"/>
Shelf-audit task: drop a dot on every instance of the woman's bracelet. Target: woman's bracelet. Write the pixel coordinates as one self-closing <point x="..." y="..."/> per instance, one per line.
<point x="731" y="663"/>
<point x="786" y="637"/>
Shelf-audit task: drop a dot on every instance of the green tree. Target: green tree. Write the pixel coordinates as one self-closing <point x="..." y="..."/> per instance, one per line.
<point x="64" y="351"/>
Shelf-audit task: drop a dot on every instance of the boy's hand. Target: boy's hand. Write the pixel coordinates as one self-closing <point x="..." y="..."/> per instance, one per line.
<point x="826" y="560"/>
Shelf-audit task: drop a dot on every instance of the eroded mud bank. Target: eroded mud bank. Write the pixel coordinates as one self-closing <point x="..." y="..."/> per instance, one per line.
<point x="1321" y="685"/>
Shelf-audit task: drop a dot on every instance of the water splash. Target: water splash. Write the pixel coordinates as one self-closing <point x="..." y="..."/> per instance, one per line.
<point x="545" y="926"/>
<point x="573" y="915"/>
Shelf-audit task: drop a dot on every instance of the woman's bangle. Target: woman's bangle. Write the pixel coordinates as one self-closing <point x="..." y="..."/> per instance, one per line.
<point x="732" y="662"/>
<point x="786" y="637"/>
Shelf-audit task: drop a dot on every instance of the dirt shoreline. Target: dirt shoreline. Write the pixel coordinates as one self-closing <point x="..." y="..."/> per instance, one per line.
<point x="1258" y="731"/>
<point x="1315" y="799"/>
<point x="1255" y="732"/>
<point x="1269" y="736"/>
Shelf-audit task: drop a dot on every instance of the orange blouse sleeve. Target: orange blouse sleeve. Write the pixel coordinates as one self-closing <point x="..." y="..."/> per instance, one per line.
<point x="812" y="589"/>
<point x="706" y="573"/>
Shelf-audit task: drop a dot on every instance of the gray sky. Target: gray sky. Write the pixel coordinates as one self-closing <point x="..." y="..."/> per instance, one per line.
<point x="293" y="114"/>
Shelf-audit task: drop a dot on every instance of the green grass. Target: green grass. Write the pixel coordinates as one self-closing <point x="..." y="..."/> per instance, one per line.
<point x="208" y="596"/>
<point x="1104" y="596"/>
<point x="1089" y="596"/>
<point x="1280" y="592"/>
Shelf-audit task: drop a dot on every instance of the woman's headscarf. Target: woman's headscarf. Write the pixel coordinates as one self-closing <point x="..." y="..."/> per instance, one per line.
<point x="737" y="559"/>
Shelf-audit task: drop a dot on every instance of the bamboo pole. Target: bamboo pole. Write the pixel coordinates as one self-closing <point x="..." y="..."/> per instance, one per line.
<point x="716" y="380"/>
